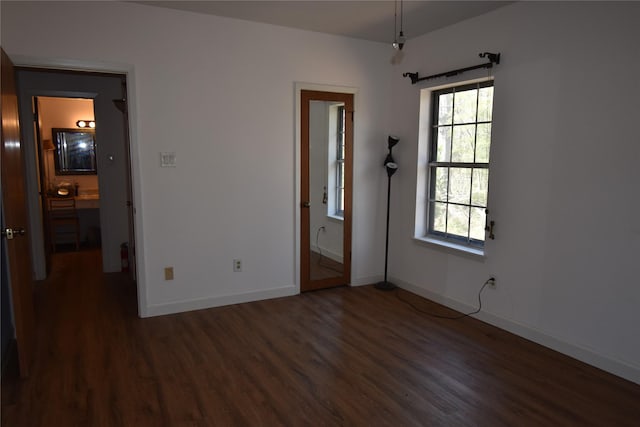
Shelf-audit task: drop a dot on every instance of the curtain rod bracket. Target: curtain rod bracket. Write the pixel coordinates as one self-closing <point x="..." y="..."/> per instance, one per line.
<point x="413" y="76"/>
<point x="494" y="58"/>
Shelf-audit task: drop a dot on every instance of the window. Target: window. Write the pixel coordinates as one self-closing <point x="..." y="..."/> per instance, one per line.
<point x="458" y="163"/>
<point x="339" y="194"/>
<point x="335" y="205"/>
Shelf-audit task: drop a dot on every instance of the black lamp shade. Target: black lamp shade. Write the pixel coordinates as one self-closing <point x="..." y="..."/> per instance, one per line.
<point x="392" y="141"/>
<point x="391" y="168"/>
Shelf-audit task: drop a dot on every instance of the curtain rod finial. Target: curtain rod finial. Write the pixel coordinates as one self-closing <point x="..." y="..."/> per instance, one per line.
<point x="413" y="76"/>
<point x="493" y="57"/>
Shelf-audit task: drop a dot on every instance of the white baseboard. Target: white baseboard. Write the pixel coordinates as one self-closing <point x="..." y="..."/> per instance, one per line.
<point x="362" y="281"/>
<point x="608" y="364"/>
<point x="327" y="253"/>
<point x="202" y="303"/>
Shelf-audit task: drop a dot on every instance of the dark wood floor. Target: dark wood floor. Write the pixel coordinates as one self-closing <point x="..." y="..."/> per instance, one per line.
<point x="348" y="356"/>
<point x="323" y="267"/>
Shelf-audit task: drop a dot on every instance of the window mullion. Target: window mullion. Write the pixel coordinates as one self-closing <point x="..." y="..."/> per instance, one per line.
<point x="475" y="141"/>
<point x="484" y="122"/>
<point x="338" y="197"/>
<point x="453" y="114"/>
<point x="475" y="133"/>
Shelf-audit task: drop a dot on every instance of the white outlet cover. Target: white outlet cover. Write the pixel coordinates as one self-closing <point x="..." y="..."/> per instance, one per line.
<point x="168" y="160"/>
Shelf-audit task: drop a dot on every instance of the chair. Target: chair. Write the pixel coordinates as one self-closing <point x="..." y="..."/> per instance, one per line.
<point x="63" y="220"/>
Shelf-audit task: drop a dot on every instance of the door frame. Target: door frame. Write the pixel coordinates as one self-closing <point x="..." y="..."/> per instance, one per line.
<point x="128" y="70"/>
<point x="299" y="181"/>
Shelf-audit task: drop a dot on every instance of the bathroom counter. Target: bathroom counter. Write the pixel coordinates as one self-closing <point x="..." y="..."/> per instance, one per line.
<point x="87" y="201"/>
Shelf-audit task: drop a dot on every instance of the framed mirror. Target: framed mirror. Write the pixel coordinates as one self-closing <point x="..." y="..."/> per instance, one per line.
<point x="75" y="151"/>
<point x="326" y="143"/>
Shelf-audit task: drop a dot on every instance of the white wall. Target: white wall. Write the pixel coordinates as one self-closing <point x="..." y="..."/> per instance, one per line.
<point x="564" y="183"/>
<point x="220" y="93"/>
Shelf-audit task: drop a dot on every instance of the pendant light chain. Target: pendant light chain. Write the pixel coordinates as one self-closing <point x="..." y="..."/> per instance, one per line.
<point x="398" y="38"/>
<point x="401" y="15"/>
<point x="395" y="23"/>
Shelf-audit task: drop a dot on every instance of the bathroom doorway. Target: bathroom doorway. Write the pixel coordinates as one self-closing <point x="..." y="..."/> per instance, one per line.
<point x="66" y="146"/>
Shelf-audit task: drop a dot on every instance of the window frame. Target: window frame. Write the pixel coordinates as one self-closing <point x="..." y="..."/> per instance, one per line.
<point x="432" y="164"/>
<point x="339" y="161"/>
<point x="336" y="164"/>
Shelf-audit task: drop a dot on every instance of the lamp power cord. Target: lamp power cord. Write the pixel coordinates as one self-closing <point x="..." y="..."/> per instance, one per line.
<point x="461" y="316"/>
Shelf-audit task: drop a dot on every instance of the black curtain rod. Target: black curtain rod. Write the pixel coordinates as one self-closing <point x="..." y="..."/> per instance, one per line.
<point x="494" y="58"/>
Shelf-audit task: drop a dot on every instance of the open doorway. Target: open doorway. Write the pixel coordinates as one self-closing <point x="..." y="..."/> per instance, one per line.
<point x="104" y="196"/>
<point x="70" y="195"/>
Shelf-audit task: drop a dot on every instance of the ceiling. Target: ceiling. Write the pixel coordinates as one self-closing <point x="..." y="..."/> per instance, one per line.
<point x="368" y="20"/>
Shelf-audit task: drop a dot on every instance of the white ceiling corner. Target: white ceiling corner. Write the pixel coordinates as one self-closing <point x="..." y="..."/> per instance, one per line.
<point x="366" y="19"/>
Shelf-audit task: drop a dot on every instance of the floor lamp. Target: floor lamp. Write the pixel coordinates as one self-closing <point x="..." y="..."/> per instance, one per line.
<point x="391" y="168"/>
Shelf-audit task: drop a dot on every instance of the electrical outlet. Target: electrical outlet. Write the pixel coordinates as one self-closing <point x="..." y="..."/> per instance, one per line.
<point x="168" y="160"/>
<point x="237" y="265"/>
<point x="492" y="282"/>
<point x="168" y="273"/>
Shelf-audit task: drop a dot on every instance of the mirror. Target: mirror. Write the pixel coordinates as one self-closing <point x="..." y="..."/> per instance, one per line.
<point x="326" y="146"/>
<point x="326" y="189"/>
<point x="75" y="151"/>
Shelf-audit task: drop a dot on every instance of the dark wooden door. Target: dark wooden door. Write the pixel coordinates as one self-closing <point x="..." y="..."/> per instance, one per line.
<point x="16" y="220"/>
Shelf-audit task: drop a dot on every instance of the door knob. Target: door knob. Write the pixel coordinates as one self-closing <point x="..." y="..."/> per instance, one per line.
<point x="10" y="232"/>
<point x="306" y="204"/>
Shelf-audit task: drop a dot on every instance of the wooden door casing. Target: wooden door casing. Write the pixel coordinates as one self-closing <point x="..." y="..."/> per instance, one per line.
<point x="306" y="96"/>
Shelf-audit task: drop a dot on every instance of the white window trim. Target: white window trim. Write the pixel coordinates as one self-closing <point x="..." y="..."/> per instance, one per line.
<point x="332" y="166"/>
<point x="421" y="221"/>
<point x="335" y="217"/>
<point x="432" y="241"/>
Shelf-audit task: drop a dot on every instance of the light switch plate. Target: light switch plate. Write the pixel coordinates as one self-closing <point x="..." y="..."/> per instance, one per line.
<point x="168" y="160"/>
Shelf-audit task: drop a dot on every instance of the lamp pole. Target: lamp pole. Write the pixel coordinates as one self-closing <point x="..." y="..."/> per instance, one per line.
<point x="391" y="168"/>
